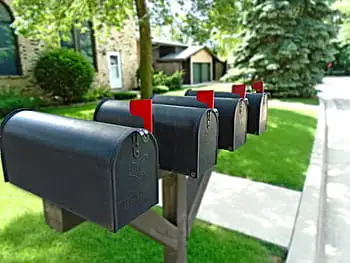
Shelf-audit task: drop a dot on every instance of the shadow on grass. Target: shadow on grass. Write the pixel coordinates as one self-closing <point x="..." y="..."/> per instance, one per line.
<point x="280" y="156"/>
<point x="27" y="239"/>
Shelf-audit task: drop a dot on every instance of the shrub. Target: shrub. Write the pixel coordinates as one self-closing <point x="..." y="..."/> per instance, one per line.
<point x="12" y="98"/>
<point x="97" y="93"/>
<point x="174" y="82"/>
<point x="341" y="64"/>
<point x="125" y="95"/>
<point x="159" y="78"/>
<point x="64" y="73"/>
<point x="160" y="89"/>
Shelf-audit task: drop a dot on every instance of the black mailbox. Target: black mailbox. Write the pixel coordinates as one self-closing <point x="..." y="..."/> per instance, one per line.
<point x="104" y="173"/>
<point x="257" y="109"/>
<point x="232" y="117"/>
<point x="187" y="137"/>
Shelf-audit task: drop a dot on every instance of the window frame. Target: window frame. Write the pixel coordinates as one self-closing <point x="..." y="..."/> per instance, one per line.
<point x="19" y="71"/>
<point x="76" y="43"/>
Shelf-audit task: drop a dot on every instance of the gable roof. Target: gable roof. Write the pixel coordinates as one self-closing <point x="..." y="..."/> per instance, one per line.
<point x="182" y="55"/>
<point x="156" y="41"/>
<point x="185" y="54"/>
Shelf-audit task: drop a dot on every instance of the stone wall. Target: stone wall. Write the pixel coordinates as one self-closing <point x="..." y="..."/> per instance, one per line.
<point x="29" y="51"/>
<point x="123" y="42"/>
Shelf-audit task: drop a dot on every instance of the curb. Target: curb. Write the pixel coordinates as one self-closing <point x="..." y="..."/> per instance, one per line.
<point x="306" y="241"/>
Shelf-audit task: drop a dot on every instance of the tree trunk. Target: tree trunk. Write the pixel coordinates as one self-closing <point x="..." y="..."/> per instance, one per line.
<point x="145" y="49"/>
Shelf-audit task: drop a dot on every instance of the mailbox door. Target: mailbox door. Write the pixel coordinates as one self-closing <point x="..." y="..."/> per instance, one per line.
<point x="263" y="116"/>
<point x="208" y="142"/>
<point x="257" y="113"/>
<point x="135" y="187"/>
<point x="241" y="119"/>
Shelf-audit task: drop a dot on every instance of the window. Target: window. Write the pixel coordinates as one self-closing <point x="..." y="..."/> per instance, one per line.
<point x="9" y="59"/>
<point x="83" y="42"/>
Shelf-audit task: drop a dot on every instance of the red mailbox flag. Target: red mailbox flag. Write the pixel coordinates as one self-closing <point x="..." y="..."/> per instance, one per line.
<point x="258" y="86"/>
<point x="239" y="89"/>
<point x="207" y="97"/>
<point x="143" y="109"/>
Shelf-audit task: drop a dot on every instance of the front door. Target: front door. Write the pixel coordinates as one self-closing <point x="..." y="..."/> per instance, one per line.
<point x="115" y="73"/>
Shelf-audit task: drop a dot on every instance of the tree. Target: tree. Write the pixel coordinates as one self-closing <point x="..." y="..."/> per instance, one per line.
<point x="341" y="63"/>
<point x="343" y="19"/>
<point x="145" y="49"/>
<point x="286" y="44"/>
<point x="214" y="22"/>
<point x="50" y="20"/>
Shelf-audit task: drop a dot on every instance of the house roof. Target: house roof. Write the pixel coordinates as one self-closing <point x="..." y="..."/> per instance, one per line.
<point x="185" y="54"/>
<point x="156" y="41"/>
<point x="182" y="55"/>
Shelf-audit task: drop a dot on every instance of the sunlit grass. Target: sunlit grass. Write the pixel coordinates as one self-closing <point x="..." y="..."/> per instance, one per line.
<point x="83" y="111"/>
<point x="281" y="155"/>
<point x="308" y="101"/>
<point x="25" y="238"/>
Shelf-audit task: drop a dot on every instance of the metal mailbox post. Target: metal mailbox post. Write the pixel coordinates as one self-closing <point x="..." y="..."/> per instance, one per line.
<point x="103" y="173"/>
<point x="233" y="117"/>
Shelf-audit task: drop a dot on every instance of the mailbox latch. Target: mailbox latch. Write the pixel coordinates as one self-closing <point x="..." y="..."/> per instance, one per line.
<point x="136" y="145"/>
<point x="208" y="119"/>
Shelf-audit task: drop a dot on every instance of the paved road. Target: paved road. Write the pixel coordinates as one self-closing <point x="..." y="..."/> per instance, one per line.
<point x="336" y="92"/>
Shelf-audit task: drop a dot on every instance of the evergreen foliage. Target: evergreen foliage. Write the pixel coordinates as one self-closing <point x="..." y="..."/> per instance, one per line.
<point x="287" y="45"/>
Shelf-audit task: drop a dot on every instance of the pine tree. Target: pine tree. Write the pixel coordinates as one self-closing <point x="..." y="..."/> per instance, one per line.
<point x="286" y="44"/>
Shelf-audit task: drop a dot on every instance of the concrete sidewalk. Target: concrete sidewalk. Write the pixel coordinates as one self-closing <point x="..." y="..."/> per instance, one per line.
<point x="260" y="210"/>
<point x="322" y="228"/>
<point x="337" y="207"/>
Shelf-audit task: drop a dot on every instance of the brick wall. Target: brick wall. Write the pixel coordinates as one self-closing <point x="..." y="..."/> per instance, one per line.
<point x="123" y="42"/>
<point x="29" y="51"/>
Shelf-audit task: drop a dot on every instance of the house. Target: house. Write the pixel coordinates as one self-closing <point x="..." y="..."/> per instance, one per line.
<point x="114" y="60"/>
<point x="198" y="63"/>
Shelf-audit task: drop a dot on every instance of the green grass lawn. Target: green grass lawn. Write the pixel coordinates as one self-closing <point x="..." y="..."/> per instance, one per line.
<point x="83" y="111"/>
<point x="311" y="101"/>
<point x="25" y="238"/>
<point x="281" y="155"/>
